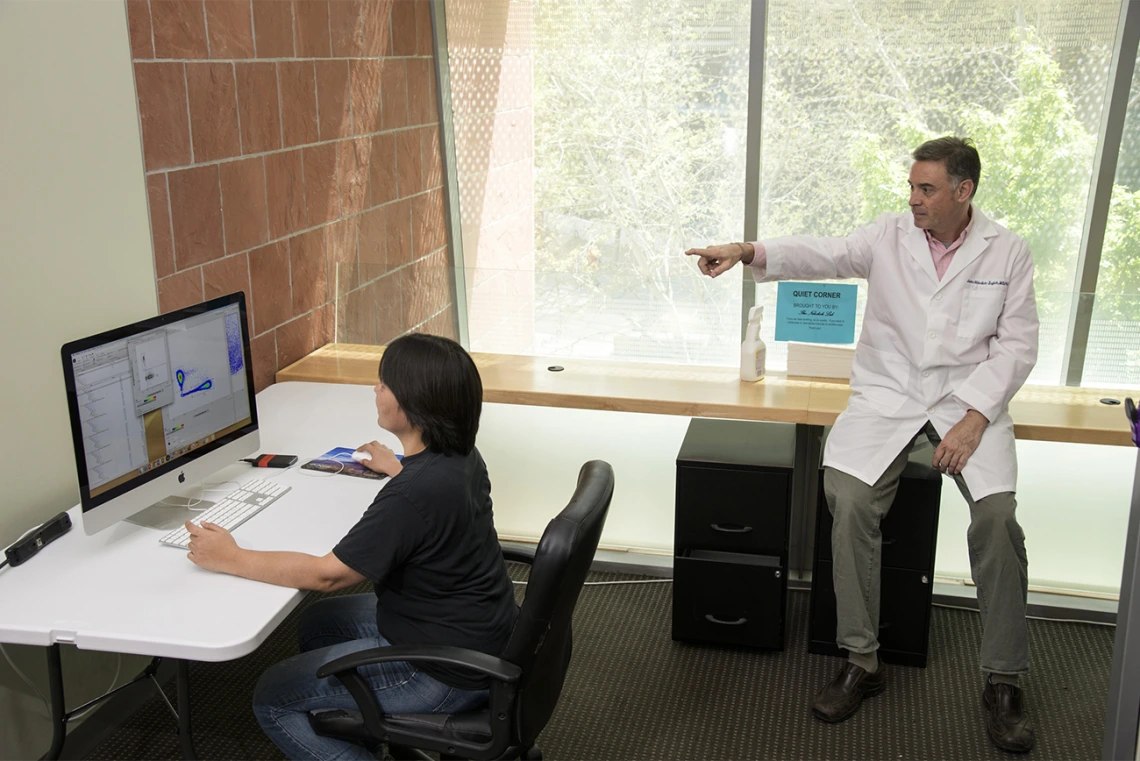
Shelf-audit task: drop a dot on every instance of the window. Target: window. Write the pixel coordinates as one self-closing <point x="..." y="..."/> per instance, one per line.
<point x="628" y="149"/>
<point x="852" y="87"/>
<point x="596" y="140"/>
<point x="1113" y="353"/>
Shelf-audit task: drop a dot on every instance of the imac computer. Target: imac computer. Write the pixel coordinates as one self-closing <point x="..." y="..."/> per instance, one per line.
<point x="157" y="407"/>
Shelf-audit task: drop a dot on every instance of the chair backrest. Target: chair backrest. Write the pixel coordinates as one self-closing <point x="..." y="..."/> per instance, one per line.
<point x="541" y="641"/>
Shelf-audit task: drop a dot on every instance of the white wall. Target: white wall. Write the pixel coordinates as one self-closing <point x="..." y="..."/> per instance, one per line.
<point x="1073" y="502"/>
<point x="76" y="259"/>
<point x="1073" y="499"/>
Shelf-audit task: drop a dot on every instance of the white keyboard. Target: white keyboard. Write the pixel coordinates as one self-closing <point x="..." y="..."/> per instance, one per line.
<point x="231" y="511"/>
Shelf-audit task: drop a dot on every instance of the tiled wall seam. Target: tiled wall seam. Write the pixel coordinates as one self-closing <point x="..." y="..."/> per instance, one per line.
<point x="299" y="146"/>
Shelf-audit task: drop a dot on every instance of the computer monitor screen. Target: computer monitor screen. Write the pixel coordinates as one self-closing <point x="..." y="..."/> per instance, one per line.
<point x="159" y="404"/>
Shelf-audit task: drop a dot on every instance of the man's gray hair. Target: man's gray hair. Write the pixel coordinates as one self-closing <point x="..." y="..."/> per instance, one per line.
<point x="960" y="155"/>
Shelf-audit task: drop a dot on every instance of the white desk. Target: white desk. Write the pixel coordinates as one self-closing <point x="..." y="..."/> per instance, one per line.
<point x="121" y="591"/>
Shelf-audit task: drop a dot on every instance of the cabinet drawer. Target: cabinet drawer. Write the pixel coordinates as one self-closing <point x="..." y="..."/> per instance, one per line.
<point x="904" y="613"/>
<point x="731" y="509"/>
<point x="729" y="598"/>
<point x="909" y="530"/>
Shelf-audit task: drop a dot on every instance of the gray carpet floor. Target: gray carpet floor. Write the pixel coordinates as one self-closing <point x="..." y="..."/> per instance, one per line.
<point x="633" y="693"/>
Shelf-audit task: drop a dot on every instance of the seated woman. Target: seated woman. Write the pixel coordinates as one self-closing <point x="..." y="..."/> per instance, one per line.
<point x="427" y="543"/>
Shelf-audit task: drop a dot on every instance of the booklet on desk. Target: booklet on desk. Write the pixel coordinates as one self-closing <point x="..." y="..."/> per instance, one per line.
<point x="339" y="460"/>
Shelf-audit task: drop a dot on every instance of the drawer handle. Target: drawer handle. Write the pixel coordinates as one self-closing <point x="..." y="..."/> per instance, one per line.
<point x="730" y="528"/>
<point x="714" y="620"/>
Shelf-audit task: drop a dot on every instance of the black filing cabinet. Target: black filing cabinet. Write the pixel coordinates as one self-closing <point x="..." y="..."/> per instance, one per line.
<point x="909" y="534"/>
<point x="730" y="564"/>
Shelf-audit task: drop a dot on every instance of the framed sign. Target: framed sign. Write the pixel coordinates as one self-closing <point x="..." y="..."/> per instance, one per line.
<point x="822" y="313"/>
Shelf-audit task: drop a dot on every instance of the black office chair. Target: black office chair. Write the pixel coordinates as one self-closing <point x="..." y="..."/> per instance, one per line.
<point x="525" y="681"/>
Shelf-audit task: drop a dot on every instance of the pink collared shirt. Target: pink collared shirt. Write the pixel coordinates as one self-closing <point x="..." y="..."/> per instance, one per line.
<point x="941" y="253"/>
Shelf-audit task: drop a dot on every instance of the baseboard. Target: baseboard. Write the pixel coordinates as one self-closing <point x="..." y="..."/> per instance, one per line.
<point x="1046" y="605"/>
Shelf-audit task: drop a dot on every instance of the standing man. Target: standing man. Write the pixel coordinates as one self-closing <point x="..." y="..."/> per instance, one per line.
<point x="949" y="336"/>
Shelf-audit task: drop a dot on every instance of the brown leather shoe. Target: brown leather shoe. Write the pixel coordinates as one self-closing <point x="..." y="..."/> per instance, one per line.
<point x="1006" y="721"/>
<point x="841" y="699"/>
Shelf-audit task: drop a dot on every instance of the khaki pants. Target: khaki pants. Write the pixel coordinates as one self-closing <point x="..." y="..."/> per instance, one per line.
<point x="998" y="563"/>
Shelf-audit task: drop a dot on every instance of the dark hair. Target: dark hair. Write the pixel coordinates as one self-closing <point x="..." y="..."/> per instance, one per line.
<point x="437" y="385"/>
<point x="960" y="156"/>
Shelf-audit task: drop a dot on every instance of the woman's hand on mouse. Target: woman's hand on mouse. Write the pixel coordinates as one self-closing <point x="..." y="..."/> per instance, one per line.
<point x="383" y="459"/>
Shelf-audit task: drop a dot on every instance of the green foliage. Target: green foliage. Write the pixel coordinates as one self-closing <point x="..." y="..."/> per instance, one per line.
<point x="635" y="112"/>
<point x="1036" y="159"/>
<point x="1118" y="286"/>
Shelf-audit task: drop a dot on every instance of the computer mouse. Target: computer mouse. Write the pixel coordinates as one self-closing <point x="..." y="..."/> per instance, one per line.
<point x="361" y="456"/>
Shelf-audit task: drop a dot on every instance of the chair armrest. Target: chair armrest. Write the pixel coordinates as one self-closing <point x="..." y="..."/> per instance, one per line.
<point x="493" y="667"/>
<point x="519" y="554"/>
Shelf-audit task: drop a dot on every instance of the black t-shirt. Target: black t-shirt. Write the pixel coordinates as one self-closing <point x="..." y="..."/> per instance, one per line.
<point x="428" y="545"/>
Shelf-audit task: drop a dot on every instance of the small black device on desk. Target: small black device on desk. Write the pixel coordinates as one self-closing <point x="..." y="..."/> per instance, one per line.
<point x="36" y="540"/>
<point x="271" y="460"/>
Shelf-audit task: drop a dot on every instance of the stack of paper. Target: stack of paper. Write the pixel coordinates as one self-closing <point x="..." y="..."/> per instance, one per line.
<point x="820" y="360"/>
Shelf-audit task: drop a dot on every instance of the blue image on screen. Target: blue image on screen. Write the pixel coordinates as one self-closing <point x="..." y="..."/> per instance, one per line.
<point x="233" y="340"/>
<point x="180" y="376"/>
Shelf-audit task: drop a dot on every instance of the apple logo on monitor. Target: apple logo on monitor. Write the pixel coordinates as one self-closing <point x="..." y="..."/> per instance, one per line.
<point x="181" y="478"/>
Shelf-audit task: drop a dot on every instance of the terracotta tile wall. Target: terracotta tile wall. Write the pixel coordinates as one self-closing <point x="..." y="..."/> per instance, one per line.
<point x="292" y="152"/>
<point x="491" y="53"/>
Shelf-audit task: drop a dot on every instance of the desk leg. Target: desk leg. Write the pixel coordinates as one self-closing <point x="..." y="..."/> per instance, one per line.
<point x="805" y="488"/>
<point x="185" y="738"/>
<point x="58" y="713"/>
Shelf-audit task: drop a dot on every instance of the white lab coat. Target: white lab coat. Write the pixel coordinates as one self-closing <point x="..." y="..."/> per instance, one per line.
<point x="930" y="349"/>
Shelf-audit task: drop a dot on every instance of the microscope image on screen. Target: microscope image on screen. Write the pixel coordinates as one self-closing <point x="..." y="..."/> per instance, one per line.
<point x="165" y="391"/>
<point x="158" y="403"/>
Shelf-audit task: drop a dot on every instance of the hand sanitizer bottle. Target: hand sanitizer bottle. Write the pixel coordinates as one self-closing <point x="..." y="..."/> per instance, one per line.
<point x="753" y="352"/>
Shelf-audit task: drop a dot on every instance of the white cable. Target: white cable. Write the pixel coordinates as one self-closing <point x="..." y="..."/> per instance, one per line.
<point x="631" y="581"/>
<point x="33" y="528"/>
<point x="606" y="583"/>
<point x="936" y="604"/>
<point x="219" y="486"/>
<point x="13" y="544"/>
<point x="1031" y="618"/>
<point x="22" y="675"/>
<point x="193" y="502"/>
<point x="114" y="679"/>
<point x="47" y="705"/>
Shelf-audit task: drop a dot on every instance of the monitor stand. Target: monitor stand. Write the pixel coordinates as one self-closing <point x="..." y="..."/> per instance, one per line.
<point x="170" y="513"/>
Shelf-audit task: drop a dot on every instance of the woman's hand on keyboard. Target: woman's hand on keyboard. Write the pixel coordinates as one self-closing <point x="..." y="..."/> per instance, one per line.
<point x="211" y="546"/>
<point x="383" y="459"/>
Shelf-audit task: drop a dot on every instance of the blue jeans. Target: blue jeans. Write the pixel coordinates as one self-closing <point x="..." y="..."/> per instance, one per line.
<point x="327" y="630"/>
